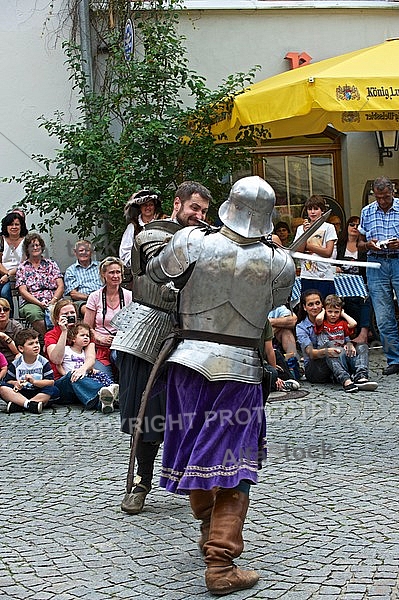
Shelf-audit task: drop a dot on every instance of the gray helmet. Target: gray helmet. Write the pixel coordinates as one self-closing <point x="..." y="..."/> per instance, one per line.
<point x="249" y="207"/>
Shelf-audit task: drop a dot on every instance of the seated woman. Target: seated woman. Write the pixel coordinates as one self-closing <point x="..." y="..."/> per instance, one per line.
<point x="39" y="282"/>
<point x="13" y="231"/>
<point x="359" y="308"/>
<point x="103" y="304"/>
<point x="8" y="329"/>
<point x="74" y="385"/>
<point x="314" y="358"/>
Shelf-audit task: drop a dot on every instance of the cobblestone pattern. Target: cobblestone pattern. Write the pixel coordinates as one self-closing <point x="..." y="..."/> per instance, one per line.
<point x="323" y="522"/>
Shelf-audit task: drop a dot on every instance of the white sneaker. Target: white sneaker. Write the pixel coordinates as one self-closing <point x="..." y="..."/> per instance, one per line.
<point x="106" y="396"/>
<point x="114" y="387"/>
<point x="290" y="385"/>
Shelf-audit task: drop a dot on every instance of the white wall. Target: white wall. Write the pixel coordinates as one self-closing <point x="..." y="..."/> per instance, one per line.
<point x="34" y="82"/>
<point x="221" y="42"/>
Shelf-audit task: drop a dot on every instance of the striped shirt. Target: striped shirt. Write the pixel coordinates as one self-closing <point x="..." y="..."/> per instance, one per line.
<point x="40" y="370"/>
<point x="82" y="279"/>
<point x="375" y="224"/>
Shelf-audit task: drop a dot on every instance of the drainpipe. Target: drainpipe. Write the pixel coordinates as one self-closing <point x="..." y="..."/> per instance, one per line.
<point x="85" y="43"/>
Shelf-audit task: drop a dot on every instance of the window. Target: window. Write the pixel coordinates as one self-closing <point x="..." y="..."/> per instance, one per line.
<point x="298" y="167"/>
<point x="296" y="177"/>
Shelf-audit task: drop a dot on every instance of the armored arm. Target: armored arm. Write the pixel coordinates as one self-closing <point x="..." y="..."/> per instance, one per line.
<point x="283" y="276"/>
<point x="174" y="262"/>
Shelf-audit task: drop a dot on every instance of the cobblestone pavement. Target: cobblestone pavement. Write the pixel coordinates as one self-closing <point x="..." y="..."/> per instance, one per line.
<point x="323" y="522"/>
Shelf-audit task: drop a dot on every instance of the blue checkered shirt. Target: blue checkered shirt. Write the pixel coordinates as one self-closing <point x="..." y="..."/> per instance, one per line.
<point x="82" y="279"/>
<point x="375" y="224"/>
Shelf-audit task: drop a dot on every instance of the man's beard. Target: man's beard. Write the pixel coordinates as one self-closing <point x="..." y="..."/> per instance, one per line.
<point x="185" y="220"/>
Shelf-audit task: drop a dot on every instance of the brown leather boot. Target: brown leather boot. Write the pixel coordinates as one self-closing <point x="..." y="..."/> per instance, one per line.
<point x="202" y="502"/>
<point x="225" y="543"/>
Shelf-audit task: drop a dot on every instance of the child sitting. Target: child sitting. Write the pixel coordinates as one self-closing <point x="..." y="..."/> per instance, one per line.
<point x="279" y="377"/>
<point x="78" y="338"/>
<point x="333" y="328"/>
<point x="29" y="382"/>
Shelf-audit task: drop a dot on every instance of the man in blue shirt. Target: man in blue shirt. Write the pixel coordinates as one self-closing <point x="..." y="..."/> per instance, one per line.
<point x="83" y="277"/>
<point x="379" y="235"/>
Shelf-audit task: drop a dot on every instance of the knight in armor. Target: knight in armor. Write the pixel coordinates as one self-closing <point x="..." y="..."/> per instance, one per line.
<point x="215" y="426"/>
<point x="142" y="325"/>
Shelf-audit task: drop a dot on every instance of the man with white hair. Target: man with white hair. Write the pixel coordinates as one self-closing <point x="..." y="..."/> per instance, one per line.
<point x="83" y="277"/>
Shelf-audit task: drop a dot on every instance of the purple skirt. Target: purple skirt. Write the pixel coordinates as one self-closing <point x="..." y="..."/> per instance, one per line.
<point x="215" y="432"/>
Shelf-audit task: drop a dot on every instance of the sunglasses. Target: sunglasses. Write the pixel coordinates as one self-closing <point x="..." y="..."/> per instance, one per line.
<point x="4" y="309"/>
<point x="354" y="225"/>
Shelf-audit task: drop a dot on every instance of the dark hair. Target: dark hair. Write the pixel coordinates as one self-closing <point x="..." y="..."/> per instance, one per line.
<point x="302" y="314"/>
<point x="30" y="238"/>
<point x="341" y="248"/>
<point x="282" y="225"/>
<point x="8" y="219"/>
<point x="188" y="188"/>
<point x="73" y="331"/>
<point x="316" y="201"/>
<point x="21" y="337"/>
<point x="343" y="236"/>
<point x="132" y="208"/>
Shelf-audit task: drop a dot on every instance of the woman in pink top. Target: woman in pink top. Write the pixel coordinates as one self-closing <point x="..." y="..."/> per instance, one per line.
<point x="103" y="304"/>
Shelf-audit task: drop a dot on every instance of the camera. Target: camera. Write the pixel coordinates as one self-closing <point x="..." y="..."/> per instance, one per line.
<point x="71" y="319"/>
<point x="383" y="244"/>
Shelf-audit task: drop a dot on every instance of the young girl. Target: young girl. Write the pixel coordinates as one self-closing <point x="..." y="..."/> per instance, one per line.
<point x="78" y="338"/>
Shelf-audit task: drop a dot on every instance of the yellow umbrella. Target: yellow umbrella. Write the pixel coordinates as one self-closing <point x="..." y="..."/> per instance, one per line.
<point x="358" y="91"/>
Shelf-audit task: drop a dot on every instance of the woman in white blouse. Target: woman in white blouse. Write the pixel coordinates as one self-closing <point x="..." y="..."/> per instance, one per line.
<point x="13" y="232"/>
<point x="143" y="207"/>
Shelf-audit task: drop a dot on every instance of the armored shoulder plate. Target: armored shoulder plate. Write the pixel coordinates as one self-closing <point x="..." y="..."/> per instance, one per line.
<point x="174" y="260"/>
<point x="150" y="241"/>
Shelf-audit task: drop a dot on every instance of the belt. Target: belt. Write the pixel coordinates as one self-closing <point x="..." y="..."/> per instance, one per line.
<point x="219" y="338"/>
<point x="384" y="254"/>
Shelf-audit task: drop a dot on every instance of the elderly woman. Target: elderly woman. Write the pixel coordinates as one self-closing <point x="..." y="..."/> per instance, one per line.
<point x="39" y="282"/>
<point x="13" y="231"/>
<point x="76" y="385"/>
<point x="8" y="328"/>
<point x="142" y="207"/>
<point x="103" y="304"/>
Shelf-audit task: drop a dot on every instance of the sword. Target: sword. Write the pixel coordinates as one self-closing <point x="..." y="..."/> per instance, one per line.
<point x="336" y="261"/>
<point x="292" y="248"/>
<point x="166" y="349"/>
<point x="309" y="232"/>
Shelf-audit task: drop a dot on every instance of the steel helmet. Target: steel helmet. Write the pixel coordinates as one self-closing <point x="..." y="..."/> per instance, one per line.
<point x="249" y="207"/>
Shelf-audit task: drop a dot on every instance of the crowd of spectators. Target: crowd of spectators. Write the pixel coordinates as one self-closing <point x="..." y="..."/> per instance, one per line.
<point x="83" y="366"/>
